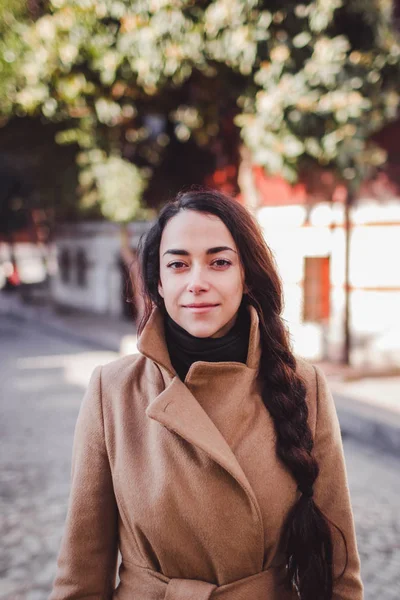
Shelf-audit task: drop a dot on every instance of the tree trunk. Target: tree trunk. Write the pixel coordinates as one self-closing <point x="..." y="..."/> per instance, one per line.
<point x="246" y="182"/>
<point x="347" y="291"/>
<point x="130" y="260"/>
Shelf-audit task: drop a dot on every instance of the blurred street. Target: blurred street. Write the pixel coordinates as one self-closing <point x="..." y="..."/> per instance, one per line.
<point x="43" y="378"/>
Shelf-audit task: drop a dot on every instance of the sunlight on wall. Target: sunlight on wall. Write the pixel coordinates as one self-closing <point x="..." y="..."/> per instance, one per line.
<point x="321" y="215"/>
<point x="372" y="212"/>
<point x="284" y="216"/>
<point x="374" y="254"/>
<point x="374" y="276"/>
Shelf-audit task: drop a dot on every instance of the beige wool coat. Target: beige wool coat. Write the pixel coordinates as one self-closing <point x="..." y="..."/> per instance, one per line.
<point x="183" y="479"/>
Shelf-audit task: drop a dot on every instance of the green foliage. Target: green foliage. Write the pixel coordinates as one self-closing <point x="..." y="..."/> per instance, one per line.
<point x="324" y="88"/>
<point x="112" y="183"/>
<point x="311" y="81"/>
<point x="12" y="15"/>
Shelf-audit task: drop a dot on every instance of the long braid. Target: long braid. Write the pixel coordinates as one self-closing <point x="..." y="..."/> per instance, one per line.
<point x="307" y="539"/>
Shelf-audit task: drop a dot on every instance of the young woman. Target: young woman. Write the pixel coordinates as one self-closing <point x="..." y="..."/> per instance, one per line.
<point x="213" y="459"/>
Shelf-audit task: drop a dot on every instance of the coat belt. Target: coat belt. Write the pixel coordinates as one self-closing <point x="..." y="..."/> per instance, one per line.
<point x="150" y="585"/>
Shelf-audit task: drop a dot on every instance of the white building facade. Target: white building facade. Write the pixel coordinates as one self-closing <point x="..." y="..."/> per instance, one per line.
<point x="87" y="270"/>
<point x="309" y="245"/>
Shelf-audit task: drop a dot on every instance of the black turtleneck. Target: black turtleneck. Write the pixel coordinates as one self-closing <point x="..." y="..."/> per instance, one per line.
<point x="185" y="349"/>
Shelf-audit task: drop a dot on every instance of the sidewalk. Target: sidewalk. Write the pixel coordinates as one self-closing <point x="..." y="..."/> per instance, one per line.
<point x="368" y="403"/>
<point x="100" y="331"/>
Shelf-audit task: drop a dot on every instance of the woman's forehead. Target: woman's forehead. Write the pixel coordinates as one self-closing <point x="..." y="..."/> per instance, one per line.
<point x="191" y="230"/>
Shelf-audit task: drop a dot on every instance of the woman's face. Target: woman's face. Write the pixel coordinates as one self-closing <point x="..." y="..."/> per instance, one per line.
<point x="201" y="276"/>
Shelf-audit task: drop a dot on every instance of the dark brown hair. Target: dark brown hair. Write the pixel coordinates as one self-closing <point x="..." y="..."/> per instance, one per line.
<point x="307" y="539"/>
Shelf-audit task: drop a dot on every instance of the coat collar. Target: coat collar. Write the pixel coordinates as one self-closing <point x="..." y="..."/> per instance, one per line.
<point x="178" y="409"/>
<point x="152" y="343"/>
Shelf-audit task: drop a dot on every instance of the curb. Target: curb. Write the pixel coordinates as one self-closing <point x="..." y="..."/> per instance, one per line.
<point x="50" y="325"/>
<point x="371" y="425"/>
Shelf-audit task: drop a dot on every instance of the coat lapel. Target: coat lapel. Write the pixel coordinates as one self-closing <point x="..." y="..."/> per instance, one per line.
<point x="177" y="409"/>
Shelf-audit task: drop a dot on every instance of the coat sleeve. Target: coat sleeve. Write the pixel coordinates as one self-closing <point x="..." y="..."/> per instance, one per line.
<point x="86" y="566"/>
<point x="332" y="496"/>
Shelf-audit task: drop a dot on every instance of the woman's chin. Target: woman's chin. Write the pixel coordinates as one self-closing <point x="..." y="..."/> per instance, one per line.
<point x="201" y="330"/>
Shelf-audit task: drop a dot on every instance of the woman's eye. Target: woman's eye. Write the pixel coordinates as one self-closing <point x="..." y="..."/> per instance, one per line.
<point x="221" y="262"/>
<point x="176" y="265"/>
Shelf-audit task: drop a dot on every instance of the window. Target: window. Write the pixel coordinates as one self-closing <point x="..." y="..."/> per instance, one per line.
<point x="316" y="305"/>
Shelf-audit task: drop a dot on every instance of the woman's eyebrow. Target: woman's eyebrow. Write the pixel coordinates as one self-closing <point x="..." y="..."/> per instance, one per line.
<point x="177" y="252"/>
<point x="215" y="250"/>
<point x="220" y="249"/>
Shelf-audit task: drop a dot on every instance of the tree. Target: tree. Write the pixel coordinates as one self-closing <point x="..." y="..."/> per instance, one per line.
<point x="313" y="74"/>
<point x="304" y="83"/>
<point x="10" y="47"/>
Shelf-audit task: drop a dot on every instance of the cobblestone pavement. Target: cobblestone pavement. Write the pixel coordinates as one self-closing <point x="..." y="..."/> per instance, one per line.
<point x="374" y="480"/>
<point x="42" y="383"/>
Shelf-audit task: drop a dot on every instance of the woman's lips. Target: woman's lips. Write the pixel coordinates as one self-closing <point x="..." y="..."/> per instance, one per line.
<point x="200" y="308"/>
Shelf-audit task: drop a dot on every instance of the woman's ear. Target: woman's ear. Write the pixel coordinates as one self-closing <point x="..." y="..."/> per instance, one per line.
<point x="160" y="289"/>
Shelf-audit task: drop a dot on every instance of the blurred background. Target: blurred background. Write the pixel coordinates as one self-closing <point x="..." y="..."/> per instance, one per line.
<point x="107" y="109"/>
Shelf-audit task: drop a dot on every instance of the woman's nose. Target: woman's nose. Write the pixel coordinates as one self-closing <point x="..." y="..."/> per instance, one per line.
<point x="197" y="282"/>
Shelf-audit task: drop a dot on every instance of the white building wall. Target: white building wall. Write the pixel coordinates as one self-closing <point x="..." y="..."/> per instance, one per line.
<point x="374" y="277"/>
<point x="105" y="287"/>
